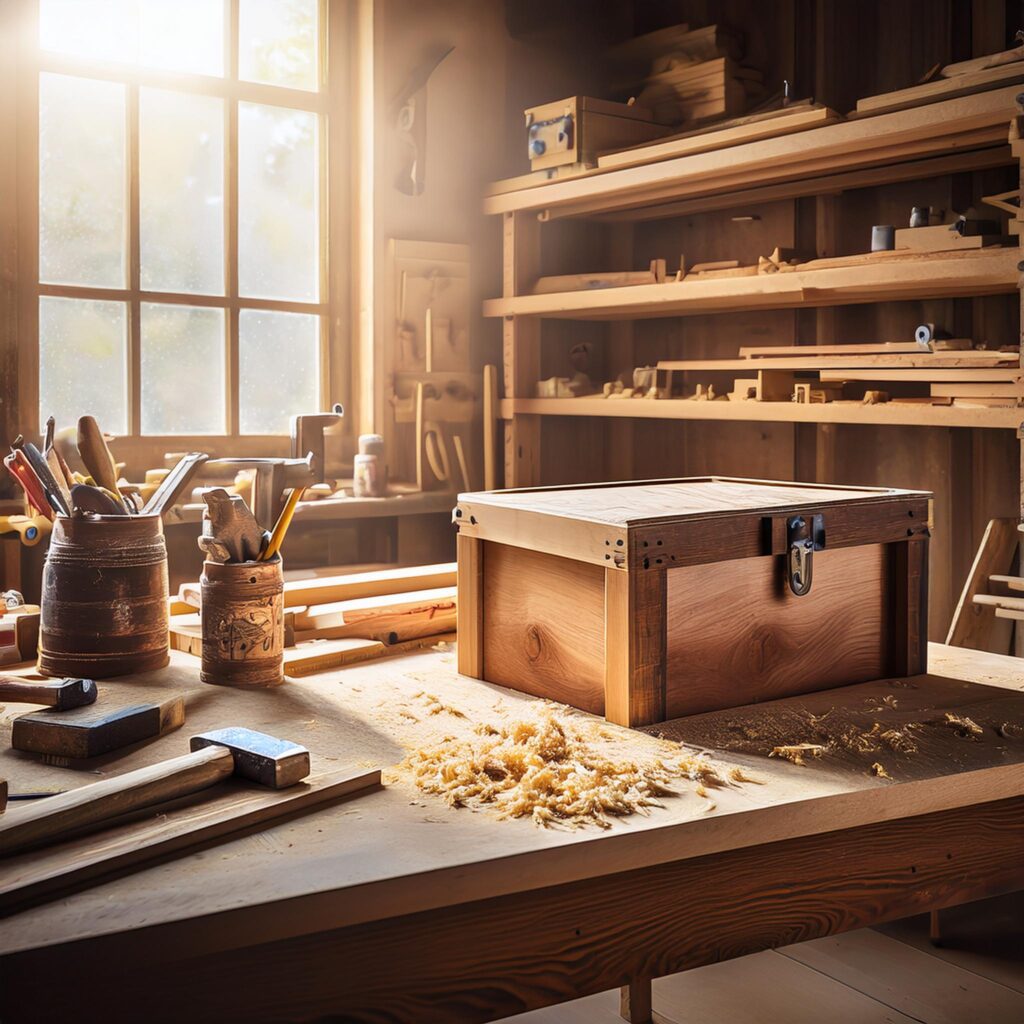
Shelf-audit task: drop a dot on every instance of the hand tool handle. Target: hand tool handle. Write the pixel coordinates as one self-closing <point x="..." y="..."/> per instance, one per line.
<point x="22" y="472"/>
<point x="50" y="486"/>
<point x="99" y="802"/>
<point x="96" y="455"/>
<point x="282" y="524"/>
<point x="174" y="483"/>
<point x="30" y="691"/>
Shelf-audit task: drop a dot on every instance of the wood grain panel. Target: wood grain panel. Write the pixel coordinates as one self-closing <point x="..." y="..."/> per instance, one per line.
<point x="490" y="958"/>
<point x="544" y="625"/>
<point x="736" y="635"/>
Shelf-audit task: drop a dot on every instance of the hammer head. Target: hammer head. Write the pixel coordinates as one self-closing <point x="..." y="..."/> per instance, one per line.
<point x="74" y="693"/>
<point x="259" y="757"/>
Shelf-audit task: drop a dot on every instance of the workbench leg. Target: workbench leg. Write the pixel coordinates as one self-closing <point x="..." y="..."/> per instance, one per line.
<point x="470" y="606"/>
<point x="635" y="1001"/>
<point x="909" y="588"/>
<point x="935" y="928"/>
<point x="634" y="653"/>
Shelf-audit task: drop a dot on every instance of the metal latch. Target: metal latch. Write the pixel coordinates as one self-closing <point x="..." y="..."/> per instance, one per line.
<point x="804" y="536"/>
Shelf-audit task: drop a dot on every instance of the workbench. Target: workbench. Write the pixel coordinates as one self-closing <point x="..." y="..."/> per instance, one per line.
<point x="390" y="905"/>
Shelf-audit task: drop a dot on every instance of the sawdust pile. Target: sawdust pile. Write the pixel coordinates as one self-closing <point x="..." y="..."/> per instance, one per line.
<point x="551" y="770"/>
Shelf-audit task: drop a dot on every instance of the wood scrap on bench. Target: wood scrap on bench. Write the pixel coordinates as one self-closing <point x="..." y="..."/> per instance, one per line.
<point x="391" y="618"/>
<point x="602" y="279"/>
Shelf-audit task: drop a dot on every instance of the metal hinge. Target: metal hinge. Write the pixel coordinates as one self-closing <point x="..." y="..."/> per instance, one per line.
<point x="804" y="536"/>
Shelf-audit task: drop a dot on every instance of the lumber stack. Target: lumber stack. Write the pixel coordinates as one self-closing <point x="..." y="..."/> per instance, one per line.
<point x="336" y="621"/>
<point x="686" y="76"/>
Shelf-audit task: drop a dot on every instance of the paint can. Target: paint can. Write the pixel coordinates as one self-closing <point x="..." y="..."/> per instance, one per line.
<point x="242" y="612"/>
<point x="103" y="610"/>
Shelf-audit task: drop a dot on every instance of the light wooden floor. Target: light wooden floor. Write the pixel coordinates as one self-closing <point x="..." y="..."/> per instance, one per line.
<point x="889" y="975"/>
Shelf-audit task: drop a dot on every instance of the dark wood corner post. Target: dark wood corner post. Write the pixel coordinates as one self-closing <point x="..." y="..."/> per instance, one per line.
<point x="635" y="644"/>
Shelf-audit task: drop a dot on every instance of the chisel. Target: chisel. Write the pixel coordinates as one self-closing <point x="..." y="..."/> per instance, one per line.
<point x="96" y="456"/>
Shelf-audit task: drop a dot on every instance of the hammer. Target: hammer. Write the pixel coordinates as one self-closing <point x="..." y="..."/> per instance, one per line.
<point x="215" y="755"/>
<point x="60" y="695"/>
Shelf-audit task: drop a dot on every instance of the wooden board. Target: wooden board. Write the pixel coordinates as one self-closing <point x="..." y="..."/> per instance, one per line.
<point x="1014" y="390"/>
<point x="881" y="348"/>
<point x="940" y="89"/>
<point x="938" y="374"/>
<point x="895" y="277"/>
<point x="736" y="635"/>
<point x="734" y="132"/>
<point x="811" y="362"/>
<point x="231" y="806"/>
<point x="543" y="625"/>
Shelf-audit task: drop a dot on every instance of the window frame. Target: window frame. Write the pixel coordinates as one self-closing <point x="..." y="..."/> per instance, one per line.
<point x="333" y="179"/>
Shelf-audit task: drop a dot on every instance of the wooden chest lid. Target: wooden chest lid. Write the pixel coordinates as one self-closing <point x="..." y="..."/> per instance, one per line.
<point x="602" y="523"/>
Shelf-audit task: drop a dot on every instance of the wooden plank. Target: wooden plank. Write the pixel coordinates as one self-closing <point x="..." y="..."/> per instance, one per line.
<point x="907" y="276"/>
<point x="941" y="238"/>
<point x="881" y="348"/>
<point x="312" y="656"/>
<point x="470" y="606"/>
<point x="978" y="358"/>
<point x="975" y="626"/>
<point x="390" y="617"/>
<point x="748" y="639"/>
<point x="634" y="632"/>
<point x="1014" y="390"/>
<point x="543" y="625"/>
<point x="990" y="60"/>
<point x="45" y="874"/>
<point x="941" y="89"/>
<point x="965" y="374"/>
<point x="720" y="136"/>
<point x="890" y="413"/>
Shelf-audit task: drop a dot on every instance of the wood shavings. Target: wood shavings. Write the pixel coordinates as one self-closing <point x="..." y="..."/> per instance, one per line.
<point x="1011" y="731"/>
<point x="737" y="774"/>
<point x="963" y="726"/>
<point x="436" y="706"/>
<point x="879" y="771"/>
<point x="550" y="770"/>
<point x="798" y="752"/>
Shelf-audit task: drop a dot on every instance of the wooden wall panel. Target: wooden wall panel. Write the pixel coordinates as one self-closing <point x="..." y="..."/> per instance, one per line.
<point x="736" y="635"/>
<point x="543" y="630"/>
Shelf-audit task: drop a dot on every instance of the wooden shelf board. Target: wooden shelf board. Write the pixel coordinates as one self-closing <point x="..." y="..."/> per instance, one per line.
<point x="813" y="363"/>
<point x="937" y="275"/>
<point x="939" y="128"/>
<point x="891" y="414"/>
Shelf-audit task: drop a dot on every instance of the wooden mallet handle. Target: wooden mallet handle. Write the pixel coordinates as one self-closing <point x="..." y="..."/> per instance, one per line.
<point x="28" y="691"/>
<point x="57" y="816"/>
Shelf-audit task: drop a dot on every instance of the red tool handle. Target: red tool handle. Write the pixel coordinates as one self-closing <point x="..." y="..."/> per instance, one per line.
<point x="18" y="465"/>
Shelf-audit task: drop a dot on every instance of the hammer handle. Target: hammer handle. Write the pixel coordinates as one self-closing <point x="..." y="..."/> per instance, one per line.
<point x="89" y="806"/>
<point x="24" y="691"/>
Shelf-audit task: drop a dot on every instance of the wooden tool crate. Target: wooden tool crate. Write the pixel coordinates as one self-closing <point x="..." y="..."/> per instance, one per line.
<point x="578" y="129"/>
<point x="656" y="599"/>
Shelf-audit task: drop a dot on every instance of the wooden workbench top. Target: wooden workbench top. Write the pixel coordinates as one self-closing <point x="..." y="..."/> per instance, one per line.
<point x="397" y="851"/>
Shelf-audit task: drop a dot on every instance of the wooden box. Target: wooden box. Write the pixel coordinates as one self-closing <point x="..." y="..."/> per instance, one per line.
<point x="578" y="129"/>
<point x="651" y="600"/>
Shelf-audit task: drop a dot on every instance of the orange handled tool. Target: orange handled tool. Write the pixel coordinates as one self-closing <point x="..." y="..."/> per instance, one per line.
<point x="20" y="469"/>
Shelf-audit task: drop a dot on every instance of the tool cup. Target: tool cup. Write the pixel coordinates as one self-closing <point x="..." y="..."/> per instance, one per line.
<point x="104" y="602"/>
<point x="243" y="623"/>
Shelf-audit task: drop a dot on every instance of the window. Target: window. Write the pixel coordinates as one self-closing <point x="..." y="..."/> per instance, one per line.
<point x="181" y="280"/>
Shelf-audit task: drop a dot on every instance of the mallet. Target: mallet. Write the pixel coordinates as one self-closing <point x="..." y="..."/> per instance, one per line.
<point x="215" y="755"/>
<point x="60" y="694"/>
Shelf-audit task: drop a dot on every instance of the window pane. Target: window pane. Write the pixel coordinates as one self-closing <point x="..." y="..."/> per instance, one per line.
<point x="279" y="360"/>
<point x="182" y="35"/>
<point x="97" y="29"/>
<point x="172" y="35"/>
<point x="278" y="250"/>
<point x="182" y="370"/>
<point x="181" y="190"/>
<point x="81" y="181"/>
<point x="278" y="42"/>
<point x="83" y="348"/>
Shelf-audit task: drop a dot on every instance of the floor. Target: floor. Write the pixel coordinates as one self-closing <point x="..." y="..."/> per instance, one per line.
<point x="887" y="975"/>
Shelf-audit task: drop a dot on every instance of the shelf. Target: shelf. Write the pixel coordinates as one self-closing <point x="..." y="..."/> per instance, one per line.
<point x="881" y="277"/>
<point x="886" y="414"/>
<point x="939" y="129"/>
